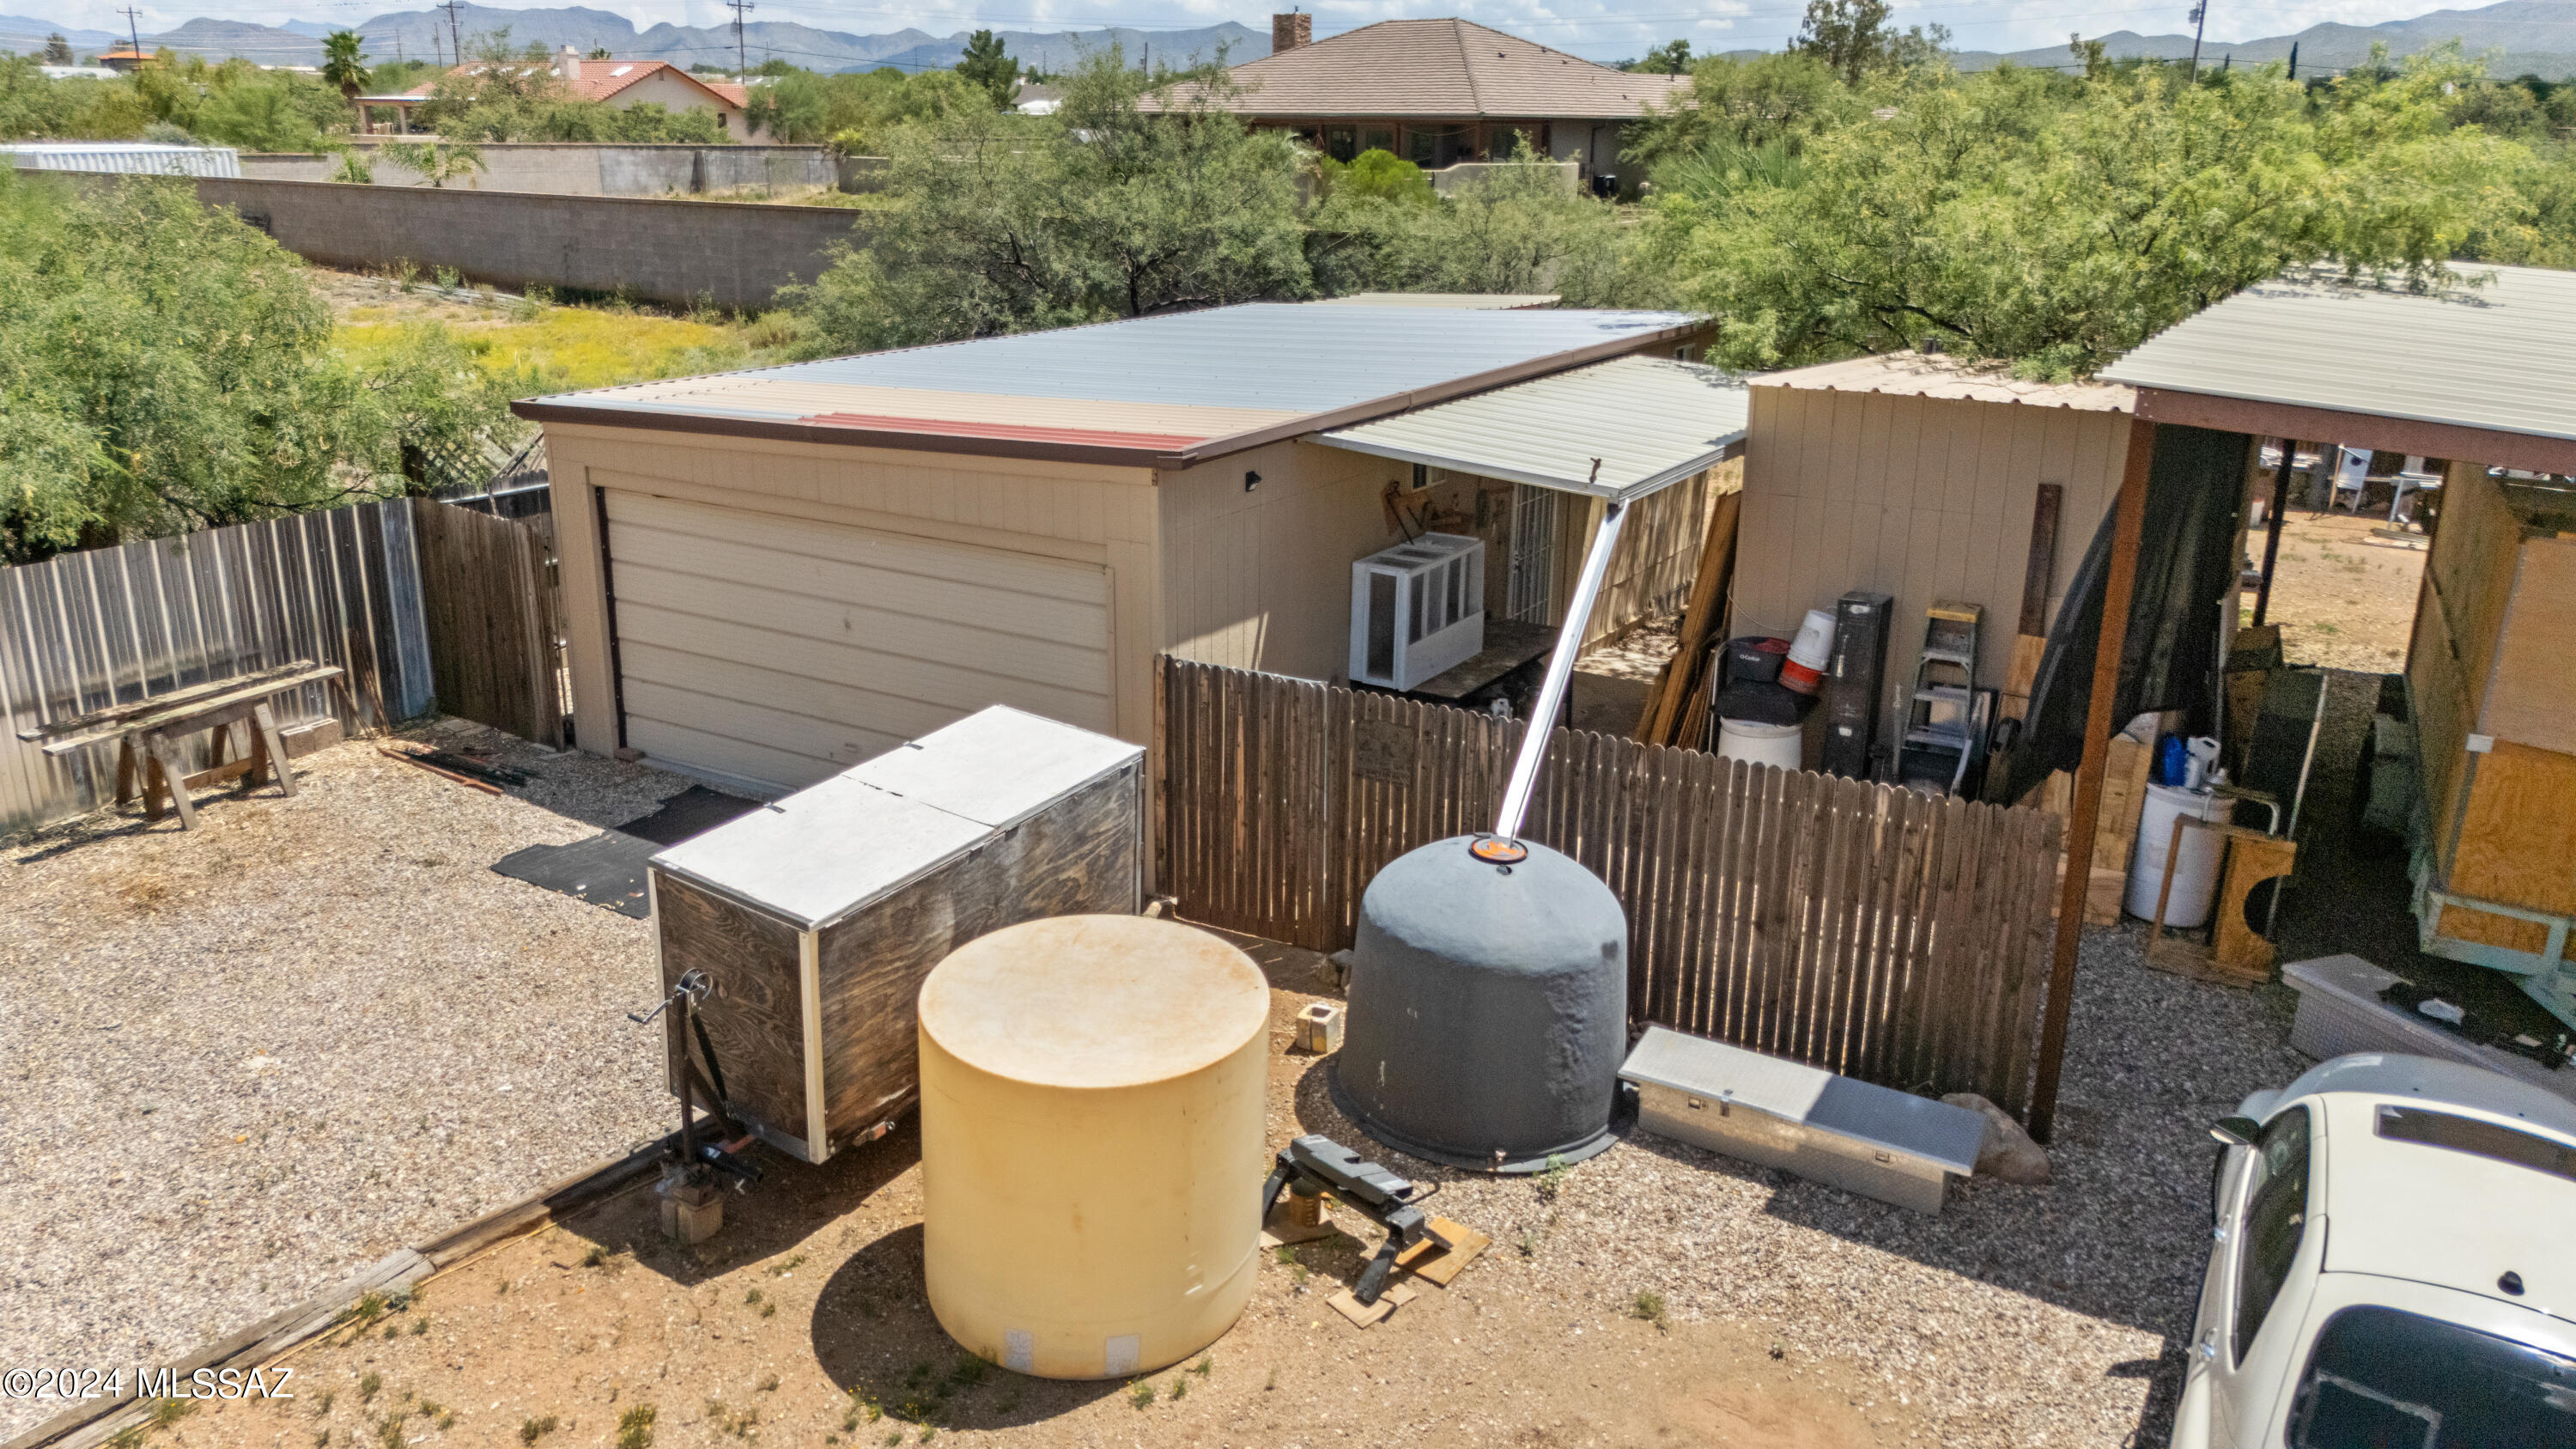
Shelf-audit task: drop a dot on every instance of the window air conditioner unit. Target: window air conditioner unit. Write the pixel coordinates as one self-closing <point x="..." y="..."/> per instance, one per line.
<point x="1417" y="609"/>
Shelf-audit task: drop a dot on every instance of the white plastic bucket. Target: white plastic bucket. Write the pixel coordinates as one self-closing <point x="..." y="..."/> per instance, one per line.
<point x="1809" y="653"/>
<point x="1763" y="744"/>
<point x="2195" y="880"/>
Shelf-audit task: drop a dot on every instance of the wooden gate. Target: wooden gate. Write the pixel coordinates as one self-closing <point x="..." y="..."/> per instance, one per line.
<point x="489" y="595"/>
<point x="1895" y="937"/>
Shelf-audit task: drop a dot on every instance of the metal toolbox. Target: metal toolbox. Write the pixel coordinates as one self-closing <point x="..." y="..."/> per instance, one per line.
<point x="1880" y="1143"/>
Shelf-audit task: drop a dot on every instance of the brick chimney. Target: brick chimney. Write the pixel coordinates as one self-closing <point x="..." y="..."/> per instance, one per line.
<point x="568" y="64"/>
<point x="1289" y="31"/>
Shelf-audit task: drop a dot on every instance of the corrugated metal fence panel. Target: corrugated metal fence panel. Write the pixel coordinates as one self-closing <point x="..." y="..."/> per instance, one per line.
<point x="1878" y="933"/>
<point x="86" y="630"/>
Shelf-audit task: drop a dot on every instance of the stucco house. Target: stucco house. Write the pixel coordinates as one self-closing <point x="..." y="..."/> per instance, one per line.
<point x="1438" y="92"/>
<point x="618" y="83"/>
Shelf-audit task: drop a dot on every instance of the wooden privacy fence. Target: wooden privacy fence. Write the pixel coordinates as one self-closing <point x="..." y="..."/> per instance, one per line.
<point x="1898" y="938"/>
<point x="107" y="626"/>
<point x="487" y="587"/>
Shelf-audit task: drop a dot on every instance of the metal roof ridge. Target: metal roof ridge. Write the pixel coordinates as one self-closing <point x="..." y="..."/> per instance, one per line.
<point x="1454" y="390"/>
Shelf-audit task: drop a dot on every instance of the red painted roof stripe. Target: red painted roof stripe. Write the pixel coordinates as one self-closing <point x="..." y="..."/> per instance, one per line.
<point x="956" y="428"/>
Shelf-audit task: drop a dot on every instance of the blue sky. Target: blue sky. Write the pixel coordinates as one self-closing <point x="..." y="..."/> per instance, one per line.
<point x="1584" y="27"/>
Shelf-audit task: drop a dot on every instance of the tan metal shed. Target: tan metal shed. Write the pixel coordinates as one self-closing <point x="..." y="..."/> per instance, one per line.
<point x="1917" y="477"/>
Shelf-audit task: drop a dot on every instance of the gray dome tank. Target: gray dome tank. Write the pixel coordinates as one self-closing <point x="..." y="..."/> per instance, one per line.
<point x="1488" y="1009"/>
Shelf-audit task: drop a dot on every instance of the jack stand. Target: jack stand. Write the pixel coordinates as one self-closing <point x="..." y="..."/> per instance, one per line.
<point x="692" y="1209"/>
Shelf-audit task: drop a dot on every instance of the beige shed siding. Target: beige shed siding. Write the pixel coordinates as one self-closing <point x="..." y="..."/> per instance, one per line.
<point x="782" y="651"/>
<point x="1921" y="498"/>
<point x="1262" y="580"/>
<point x="1096" y="516"/>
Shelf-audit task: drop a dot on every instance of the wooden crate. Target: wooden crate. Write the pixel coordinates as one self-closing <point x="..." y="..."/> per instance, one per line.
<point x="2490" y="674"/>
<point x="819" y="916"/>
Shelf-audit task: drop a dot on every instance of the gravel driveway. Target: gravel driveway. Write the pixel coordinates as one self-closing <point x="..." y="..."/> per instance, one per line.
<point x="247" y="1059"/>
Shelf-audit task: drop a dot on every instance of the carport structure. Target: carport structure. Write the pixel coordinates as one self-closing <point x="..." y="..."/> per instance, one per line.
<point x="2477" y="372"/>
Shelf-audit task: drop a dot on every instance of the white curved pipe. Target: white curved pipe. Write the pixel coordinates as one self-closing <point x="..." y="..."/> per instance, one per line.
<point x="1560" y="672"/>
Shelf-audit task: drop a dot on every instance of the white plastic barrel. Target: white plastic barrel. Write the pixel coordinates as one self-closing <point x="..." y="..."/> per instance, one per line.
<point x="2195" y="879"/>
<point x="1093" y="1091"/>
<point x="1763" y="744"/>
<point x="1809" y="653"/>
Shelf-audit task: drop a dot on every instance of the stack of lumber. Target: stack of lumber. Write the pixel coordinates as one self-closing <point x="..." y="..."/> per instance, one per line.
<point x="1676" y="711"/>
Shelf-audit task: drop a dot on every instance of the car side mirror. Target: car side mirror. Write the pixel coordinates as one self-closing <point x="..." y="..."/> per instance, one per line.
<point x="2235" y="1131"/>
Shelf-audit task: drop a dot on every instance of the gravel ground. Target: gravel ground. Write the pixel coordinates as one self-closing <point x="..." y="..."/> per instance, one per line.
<point x="2019" y="1316"/>
<point x="252" y="1057"/>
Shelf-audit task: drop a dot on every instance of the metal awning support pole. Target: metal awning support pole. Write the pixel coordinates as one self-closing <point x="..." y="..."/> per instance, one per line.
<point x="1560" y="672"/>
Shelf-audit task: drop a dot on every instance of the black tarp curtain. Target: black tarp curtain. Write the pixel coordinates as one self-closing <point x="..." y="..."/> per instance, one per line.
<point x="2188" y="557"/>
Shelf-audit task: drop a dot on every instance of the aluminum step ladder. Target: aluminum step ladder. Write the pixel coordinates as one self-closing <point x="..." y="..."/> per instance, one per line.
<point x="1943" y="723"/>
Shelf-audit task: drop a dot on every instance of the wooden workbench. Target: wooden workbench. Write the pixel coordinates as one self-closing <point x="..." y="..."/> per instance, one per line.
<point x="147" y="732"/>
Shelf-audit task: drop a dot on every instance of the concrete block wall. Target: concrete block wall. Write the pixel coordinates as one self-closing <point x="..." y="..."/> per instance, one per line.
<point x="582" y="169"/>
<point x="1449" y="179"/>
<point x="736" y="255"/>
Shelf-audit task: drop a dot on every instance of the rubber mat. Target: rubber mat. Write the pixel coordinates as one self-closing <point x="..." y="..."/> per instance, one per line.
<point x="605" y="870"/>
<point x="608" y="868"/>
<point x="694" y="811"/>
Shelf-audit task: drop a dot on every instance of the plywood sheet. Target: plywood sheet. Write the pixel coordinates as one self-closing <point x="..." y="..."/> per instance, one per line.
<point x="2531" y="689"/>
<point x="2517" y="842"/>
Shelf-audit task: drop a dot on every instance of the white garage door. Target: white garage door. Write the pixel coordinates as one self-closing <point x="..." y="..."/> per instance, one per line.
<point x="779" y="651"/>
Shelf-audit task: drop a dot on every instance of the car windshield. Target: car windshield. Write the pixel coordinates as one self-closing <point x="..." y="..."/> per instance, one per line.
<point x="2382" y="1379"/>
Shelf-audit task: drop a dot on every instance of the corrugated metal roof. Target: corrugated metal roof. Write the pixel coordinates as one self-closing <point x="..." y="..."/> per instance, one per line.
<point x="1440" y="69"/>
<point x="127" y="158"/>
<point x="1179" y="387"/>
<point x="2493" y="356"/>
<point x="1616" y="429"/>
<point x="1912" y="374"/>
<point x="1464" y="301"/>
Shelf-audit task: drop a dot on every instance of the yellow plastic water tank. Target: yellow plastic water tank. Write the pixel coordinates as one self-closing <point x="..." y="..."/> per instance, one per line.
<point x="1092" y="1096"/>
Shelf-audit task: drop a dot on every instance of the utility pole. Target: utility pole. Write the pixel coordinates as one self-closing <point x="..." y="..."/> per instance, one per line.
<point x="132" y="33"/>
<point x="2199" y="23"/>
<point x="455" y="37"/>
<point x="741" y="56"/>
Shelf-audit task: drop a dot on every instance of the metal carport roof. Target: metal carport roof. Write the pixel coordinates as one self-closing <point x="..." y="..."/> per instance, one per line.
<point x="2480" y="370"/>
<point x="1619" y="429"/>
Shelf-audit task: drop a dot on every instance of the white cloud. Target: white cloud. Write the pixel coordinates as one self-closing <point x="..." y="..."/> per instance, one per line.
<point x="1601" y="31"/>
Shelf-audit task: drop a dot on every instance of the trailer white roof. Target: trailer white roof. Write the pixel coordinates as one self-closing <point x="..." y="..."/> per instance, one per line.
<point x="2490" y="355"/>
<point x="1619" y="429"/>
<point x="827" y="850"/>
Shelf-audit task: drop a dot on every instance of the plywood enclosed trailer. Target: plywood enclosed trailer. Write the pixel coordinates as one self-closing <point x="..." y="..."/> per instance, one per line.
<point x="819" y="916"/>
<point x="2491" y="675"/>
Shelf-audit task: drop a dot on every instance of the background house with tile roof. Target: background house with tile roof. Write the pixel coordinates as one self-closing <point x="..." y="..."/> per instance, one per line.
<point x="1438" y="92"/>
<point x="618" y="83"/>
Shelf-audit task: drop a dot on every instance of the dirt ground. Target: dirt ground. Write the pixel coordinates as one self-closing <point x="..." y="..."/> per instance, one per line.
<point x="804" y="1321"/>
<point x="2344" y="598"/>
<point x="1791" y="1314"/>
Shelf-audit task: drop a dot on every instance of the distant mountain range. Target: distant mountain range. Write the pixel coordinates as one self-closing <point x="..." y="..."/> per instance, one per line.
<point x="427" y="35"/>
<point x="2534" y="36"/>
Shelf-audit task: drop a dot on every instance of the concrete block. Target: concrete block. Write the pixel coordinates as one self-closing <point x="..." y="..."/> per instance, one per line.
<point x="311" y="736"/>
<point x="1319" y="1028"/>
